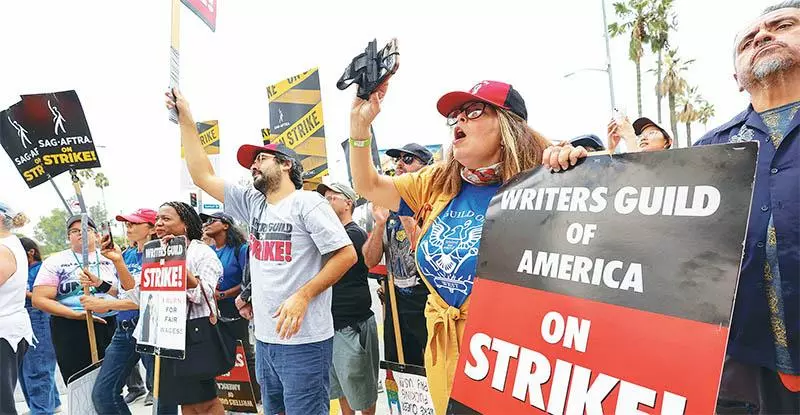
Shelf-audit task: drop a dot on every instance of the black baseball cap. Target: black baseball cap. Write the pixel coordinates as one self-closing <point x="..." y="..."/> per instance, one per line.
<point x="77" y="218"/>
<point x="640" y="124"/>
<point x="217" y="215"/>
<point x="416" y="150"/>
<point x="248" y="152"/>
<point x="588" y="141"/>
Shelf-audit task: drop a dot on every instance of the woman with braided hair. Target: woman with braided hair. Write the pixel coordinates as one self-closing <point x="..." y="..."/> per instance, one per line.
<point x="203" y="269"/>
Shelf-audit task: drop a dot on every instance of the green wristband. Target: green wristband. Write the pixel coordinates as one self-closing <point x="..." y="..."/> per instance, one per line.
<point x="360" y="143"/>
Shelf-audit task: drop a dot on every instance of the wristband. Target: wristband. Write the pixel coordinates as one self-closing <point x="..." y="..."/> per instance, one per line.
<point x="360" y="143"/>
<point x="104" y="287"/>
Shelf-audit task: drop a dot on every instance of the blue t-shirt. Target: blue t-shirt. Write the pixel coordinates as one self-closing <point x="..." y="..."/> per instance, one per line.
<point x="33" y="270"/>
<point x="233" y="264"/>
<point x="133" y="261"/>
<point x="448" y="252"/>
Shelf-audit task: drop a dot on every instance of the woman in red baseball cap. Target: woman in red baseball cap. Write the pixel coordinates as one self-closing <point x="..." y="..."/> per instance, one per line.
<point x="491" y="142"/>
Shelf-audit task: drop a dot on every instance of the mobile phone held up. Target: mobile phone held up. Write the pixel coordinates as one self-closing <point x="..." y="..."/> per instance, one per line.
<point x="370" y="69"/>
<point x="106" y="237"/>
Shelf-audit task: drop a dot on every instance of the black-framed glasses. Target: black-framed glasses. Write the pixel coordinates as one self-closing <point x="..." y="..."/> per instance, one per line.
<point x="472" y="110"/>
<point x="406" y="158"/>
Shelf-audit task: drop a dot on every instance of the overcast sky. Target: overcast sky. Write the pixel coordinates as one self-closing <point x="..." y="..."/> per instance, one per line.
<point x="116" y="55"/>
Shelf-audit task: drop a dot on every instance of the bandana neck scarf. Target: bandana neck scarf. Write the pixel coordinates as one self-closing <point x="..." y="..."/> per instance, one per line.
<point x="483" y="175"/>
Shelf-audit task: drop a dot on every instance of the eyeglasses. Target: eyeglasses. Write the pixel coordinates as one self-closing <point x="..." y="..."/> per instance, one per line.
<point x="407" y="159"/>
<point x="472" y="110"/>
<point x="263" y="156"/>
<point x="78" y="231"/>
<point x="210" y="221"/>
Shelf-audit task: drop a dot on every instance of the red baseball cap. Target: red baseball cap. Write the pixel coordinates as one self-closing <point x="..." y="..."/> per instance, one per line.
<point x="499" y="94"/>
<point x="140" y="216"/>
<point x="248" y="152"/>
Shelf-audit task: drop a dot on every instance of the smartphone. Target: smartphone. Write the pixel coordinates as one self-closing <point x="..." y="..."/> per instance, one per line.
<point x="107" y="237"/>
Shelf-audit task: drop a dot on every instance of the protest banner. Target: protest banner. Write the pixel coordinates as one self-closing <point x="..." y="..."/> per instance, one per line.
<point x="79" y="390"/>
<point x="206" y="10"/>
<point x="295" y="114"/>
<point x="162" y="306"/>
<point x="46" y="135"/>
<point x="617" y="281"/>
<point x="407" y="389"/>
<point x="235" y="388"/>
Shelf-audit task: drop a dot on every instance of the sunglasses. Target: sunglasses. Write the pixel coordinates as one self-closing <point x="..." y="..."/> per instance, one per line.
<point x="472" y="110"/>
<point x="211" y="220"/>
<point x="406" y="158"/>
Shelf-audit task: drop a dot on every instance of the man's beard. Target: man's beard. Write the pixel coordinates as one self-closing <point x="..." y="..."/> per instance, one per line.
<point x="766" y="70"/>
<point x="267" y="182"/>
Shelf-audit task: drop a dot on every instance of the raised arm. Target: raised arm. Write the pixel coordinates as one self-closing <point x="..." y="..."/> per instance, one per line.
<point x="367" y="182"/>
<point x="196" y="158"/>
<point x="373" y="248"/>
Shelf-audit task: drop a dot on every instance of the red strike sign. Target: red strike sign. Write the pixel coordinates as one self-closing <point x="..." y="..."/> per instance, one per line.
<point x="169" y="276"/>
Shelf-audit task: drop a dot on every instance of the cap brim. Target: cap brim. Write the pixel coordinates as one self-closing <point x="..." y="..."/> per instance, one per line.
<point x="247" y="153"/>
<point x="452" y="100"/>
<point x="322" y="188"/>
<point x="396" y="152"/>
<point x="204" y="217"/>
<point x="131" y="219"/>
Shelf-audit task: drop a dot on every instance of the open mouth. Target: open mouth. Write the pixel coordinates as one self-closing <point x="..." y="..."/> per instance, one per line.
<point x="458" y="134"/>
<point x="642" y="144"/>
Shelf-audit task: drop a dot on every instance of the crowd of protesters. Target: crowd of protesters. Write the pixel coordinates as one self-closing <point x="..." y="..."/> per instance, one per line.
<point x="299" y="272"/>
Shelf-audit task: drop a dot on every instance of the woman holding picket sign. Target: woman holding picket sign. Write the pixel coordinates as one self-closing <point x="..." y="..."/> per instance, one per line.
<point x="203" y="270"/>
<point x="491" y="142"/>
<point x="121" y="356"/>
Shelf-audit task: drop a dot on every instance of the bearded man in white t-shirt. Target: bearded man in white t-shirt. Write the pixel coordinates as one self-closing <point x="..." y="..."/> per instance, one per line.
<point x="298" y="250"/>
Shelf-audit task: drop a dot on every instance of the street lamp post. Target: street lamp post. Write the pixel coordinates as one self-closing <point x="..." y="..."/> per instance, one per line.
<point x="607" y="69"/>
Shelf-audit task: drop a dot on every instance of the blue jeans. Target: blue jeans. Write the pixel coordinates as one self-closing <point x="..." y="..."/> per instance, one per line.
<point x="38" y="370"/>
<point x="294" y="378"/>
<point x="120" y="358"/>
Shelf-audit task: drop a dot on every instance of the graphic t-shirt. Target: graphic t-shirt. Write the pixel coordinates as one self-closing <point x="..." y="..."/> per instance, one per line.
<point x="233" y="262"/>
<point x="61" y="270"/>
<point x="351" y="297"/>
<point x="287" y="242"/>
<point x="448" y="252"/>
<point x="133" y="261"/>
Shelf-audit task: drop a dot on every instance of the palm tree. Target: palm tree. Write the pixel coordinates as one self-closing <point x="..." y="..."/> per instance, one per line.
<point x="634" y="17"/>
<point x="688" y="103"/>
<point x="673" y="86"/>
<point x="101" y="181"/>
<point x="661" y="22"/>
<point x="705" y="112"/>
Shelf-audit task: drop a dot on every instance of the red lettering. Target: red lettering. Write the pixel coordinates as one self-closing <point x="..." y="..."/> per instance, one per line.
<point x="276" y="251"/>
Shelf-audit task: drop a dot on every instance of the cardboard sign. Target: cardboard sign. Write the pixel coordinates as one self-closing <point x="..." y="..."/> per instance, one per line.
<point x="206" y="10"/>
<point x="295" y="114"/>
<point x="162" y="306"/>
<point x="47" y="134"/>
<point x="407" y="389"/>
<point x="235" y="388"/>
<point x="79" y="390"/>
<point x="617" y="281"/>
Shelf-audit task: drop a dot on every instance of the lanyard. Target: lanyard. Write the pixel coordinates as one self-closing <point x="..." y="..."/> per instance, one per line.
<point x="97" y="256"/>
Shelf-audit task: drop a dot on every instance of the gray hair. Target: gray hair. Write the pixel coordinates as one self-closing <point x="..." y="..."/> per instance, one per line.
<point x="785" y="4"/>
